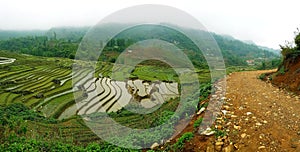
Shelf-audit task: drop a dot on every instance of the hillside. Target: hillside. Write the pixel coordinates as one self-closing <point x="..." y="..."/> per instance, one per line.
<point x="63" y="42"/>
<point x="8" y="34"/>
<point x="287" y="75"/>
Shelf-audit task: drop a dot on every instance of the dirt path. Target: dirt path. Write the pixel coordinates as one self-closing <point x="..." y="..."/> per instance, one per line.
<point x="259" y="116"/>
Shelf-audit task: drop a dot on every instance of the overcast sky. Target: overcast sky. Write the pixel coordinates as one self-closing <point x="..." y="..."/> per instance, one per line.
<point x="267" y="23"/>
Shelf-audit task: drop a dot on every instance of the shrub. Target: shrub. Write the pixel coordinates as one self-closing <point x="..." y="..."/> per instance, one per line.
<point x="262" y="76"/>
<point x="185" y="137"/>
<point x="281" y="70"/>
<point x="198" y="122"/>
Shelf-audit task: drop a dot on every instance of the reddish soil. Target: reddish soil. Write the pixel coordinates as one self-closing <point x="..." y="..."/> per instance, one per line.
<point x="290" y="78"/>
<point x="260" y="117"/>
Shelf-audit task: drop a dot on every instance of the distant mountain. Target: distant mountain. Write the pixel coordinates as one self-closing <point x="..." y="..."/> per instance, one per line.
<point x="277" y="52"/>
<point x="7" y="34"/>
<point x="68" y="33"/>
<point x="235" y="52"/>
<point x="249" y="42"/>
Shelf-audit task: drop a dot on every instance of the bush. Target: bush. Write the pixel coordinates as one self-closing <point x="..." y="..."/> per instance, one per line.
<point x="262" y="76"/>
<point x="185" y="137"/>
<point x="281" y="70"/>
<point x="198" y="122"/>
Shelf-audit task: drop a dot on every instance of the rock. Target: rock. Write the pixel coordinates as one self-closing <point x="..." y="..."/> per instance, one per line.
<point x="243" y="135"/>
<point x="261" y="147"/>
<point x="200" y="111"/>
<point x="293" y="145"/>
<point x="229" y="148"/>
<point x="219" y="143"/>
<point x="208" y="132"/>
<point x="224" y="112"/>
<point x="218" y="148"/>
<point x="265" y="121"/>
<point x="258" y="124"/>
<point x="210" y="148"/>
<point x="237" y="127"/>
<point x="236" y="146"/>
<point x="154" y="145"/>
<point x="233" y="116"/>
<point x="249" y="113"/>
<point x="226" y="107"/>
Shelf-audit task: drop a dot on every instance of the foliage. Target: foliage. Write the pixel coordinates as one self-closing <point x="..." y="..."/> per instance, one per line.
<point x="41" y="46"/>
<point x="63" y="42"/>
<point x="220" y="133"/>
<point x="198" y="122"/>
<point x="184" y="138"/>
<point x="205" y="90"/>
<point x="262" y="76"/>
<point x="290" y="49"/>
<point x="22" y="144"/>
<point x="281" y="70"/>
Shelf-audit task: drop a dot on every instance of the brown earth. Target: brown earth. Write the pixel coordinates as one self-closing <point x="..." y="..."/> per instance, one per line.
<point x="289" y="75"/>
<point x="259" y="117"/>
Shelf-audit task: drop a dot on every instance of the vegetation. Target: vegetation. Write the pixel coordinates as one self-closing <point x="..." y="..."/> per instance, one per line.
<point x="262" y="76"/>
<point x="63" y="42"/>
<point x="291" y="49"/>
<point x="198" y="122"/>
<point x="181" y="141"/>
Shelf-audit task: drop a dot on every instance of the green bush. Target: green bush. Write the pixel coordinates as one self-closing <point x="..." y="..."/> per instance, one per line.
<point x="185" y="137"/>
<point x="262" y="76"/>
<point x="198" y="122"/>
<point x="281" y="70"/>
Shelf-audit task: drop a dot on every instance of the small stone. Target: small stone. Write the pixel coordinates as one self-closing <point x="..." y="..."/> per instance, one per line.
<point x="224" y="112"/>
<point x="226" y="107"/>
<point x="236" y="146"/>
<point x="233" y="116"/>
<point x="200" y="111"/>
<point x="237" y="127"/>
<point x="249" y="113"/>
<point x="243" y="135"/>
<point x="154" y="145"/>
<point x="218" y="148"/>
<point x="210" y="148"/>
<point x="219" y="143"/>
<point x="208" y="132"/>
<point x="261" y="147"/>
<point x="229" y="148"/>
<point x="258" y="124"/>
<point x="293" y="145"/>
<point x="265" y="121"/>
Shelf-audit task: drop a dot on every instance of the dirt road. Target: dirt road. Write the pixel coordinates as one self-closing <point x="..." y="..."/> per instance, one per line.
<point x="259" y="116"/>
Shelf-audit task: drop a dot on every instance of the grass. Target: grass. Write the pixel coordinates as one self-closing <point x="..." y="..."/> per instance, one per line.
<point x="184" y="138"/>
<point x="198" y="122"/>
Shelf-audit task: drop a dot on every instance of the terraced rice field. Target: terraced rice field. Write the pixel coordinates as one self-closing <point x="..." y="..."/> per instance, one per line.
<point x="47" y="87"/>
<point x="4" y="60"/>
<point x="107" y="95"/>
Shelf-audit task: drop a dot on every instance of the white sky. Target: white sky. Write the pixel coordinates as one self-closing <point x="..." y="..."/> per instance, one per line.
<point x="267" y="23"/>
